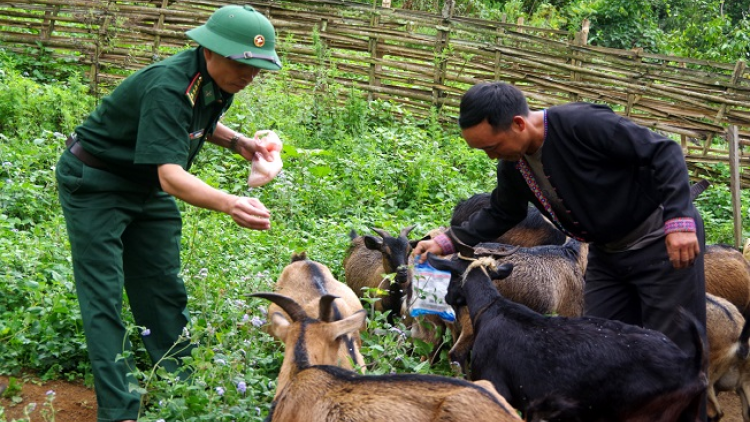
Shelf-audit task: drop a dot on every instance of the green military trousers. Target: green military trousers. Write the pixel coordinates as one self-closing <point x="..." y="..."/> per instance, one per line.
<point x="123" y="234"/>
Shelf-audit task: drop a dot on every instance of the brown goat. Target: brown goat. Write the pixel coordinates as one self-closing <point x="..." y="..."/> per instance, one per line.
<point x="369" y="258"/>
<point x="306" y="282"/>
<point x="534" y="230"/>
<point x="728" y="368"/>
<point x="311" y="390"/>
<point x="728" y="275"/>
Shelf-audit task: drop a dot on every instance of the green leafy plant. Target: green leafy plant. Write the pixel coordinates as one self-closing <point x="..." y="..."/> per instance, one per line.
<point x="348" y="164"/>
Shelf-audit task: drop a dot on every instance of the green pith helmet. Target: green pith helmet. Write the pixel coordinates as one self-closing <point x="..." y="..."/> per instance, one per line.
<point x="240" y="33"/>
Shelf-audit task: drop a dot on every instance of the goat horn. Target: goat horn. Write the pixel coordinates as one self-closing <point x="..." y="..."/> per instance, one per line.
<point x="461" y="247"/>
<point x="405" y="232"/>
<point x="508" y="252"/>
<point x="698" y="188"/>
<point x="381" y="232"/>
<point x="326" y="313"/>
<point x="288" y="304"/>
<point x="494" y="249"/>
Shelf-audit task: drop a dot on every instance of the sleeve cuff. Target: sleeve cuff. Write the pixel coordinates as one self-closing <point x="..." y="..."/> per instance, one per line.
<point x="445" y="243"/>
<point x="684" y="224"/>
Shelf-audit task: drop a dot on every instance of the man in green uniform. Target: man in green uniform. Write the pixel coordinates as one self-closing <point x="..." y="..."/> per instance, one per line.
<point x="118" y="179"/>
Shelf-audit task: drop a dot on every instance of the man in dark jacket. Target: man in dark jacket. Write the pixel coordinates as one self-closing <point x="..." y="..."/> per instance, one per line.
<point x="602" y="179"/>
<point x="118" y="180"/>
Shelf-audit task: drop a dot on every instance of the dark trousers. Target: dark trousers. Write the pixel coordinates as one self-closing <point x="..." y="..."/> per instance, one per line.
<point x="123" y="235"/>
<point x="642" y="288"/>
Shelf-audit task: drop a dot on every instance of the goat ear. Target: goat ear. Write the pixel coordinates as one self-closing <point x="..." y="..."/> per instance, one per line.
<point x="373" y="242"/>
<point x="348" y="325"/>
<point x="439" y="263"/>
<point x="501" y="272"/>
<point x="280" y="325"/>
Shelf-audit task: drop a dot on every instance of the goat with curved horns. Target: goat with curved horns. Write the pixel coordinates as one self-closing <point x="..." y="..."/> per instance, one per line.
<point x="311" y="390"/>
<point x="306" y="281"/>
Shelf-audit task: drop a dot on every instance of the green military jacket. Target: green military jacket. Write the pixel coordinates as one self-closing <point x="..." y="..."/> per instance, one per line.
<point x="161" y="114"/>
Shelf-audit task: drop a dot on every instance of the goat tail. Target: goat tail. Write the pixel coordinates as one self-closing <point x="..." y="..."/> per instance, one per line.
<point x="744" y="348"/>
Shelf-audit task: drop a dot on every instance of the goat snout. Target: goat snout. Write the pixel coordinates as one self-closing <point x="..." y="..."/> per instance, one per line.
<point x="402" y="275"/>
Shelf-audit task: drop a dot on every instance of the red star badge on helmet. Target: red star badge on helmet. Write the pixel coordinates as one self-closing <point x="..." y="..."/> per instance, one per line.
<point x="259" y="40"/>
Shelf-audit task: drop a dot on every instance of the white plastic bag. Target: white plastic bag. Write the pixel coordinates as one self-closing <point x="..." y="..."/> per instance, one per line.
<point x="263" y="171"/>
<point x="430" y="286"/>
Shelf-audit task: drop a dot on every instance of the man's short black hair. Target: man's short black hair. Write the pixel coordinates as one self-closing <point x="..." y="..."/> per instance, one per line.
<point x="496" y="101"/>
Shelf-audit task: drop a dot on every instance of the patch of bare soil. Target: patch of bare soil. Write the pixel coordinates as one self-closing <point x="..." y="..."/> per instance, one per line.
<point x="72" y="401"/>
<point x="75" y="403"/>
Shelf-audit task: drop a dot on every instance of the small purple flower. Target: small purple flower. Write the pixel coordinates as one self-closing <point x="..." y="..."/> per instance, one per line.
<point x="146" y="332"/>
<point x="241" y="387"/>
<point x="245" y="318"/>
<point x="257" y="322"/>
<point x="220" y="391"/>
<point x="50" y="393"/>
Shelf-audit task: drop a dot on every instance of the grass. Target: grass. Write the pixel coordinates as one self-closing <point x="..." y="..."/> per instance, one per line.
<point x="351" y="166"/>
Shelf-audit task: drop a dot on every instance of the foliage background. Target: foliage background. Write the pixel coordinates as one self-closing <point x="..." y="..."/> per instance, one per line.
<point x="346" y="167"/>
<point x="716" y="30"/>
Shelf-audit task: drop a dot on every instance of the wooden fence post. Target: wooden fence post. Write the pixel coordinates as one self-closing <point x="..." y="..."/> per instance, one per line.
<point x="581" y="39"/>
<point x="739" y="69"/>
<point x="499" y="42"/>
<point x="158" y="26"/>
<point x="100" y="39"/>
<point x="442" y="38"/>
<point x="735" y="184"/>
<point x="632" y="97"/>
<point x="48" y="25"/>
<point x="375" y="67"/>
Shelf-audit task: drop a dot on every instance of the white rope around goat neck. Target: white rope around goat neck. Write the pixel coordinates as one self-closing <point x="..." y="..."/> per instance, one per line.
<point x="483" y="263"/>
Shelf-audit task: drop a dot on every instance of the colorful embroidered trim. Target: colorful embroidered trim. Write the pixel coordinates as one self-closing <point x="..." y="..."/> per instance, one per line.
<point x="537" y="191"/>
<point x="684" y="224"/>
<point x="445" y="243"/>
<point x="528" y="176"/>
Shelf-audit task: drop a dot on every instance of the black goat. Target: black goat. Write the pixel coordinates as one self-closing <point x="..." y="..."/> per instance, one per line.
<point x="608" y="370"/>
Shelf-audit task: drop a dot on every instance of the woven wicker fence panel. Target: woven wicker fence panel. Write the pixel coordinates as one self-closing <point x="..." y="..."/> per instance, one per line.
<point x="421" y="60"/>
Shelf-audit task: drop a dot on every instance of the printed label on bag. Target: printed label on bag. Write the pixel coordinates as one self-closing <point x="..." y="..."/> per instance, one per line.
<point x="429" y="288"/>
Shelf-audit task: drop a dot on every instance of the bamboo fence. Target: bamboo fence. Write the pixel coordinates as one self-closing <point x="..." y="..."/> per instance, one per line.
<point x="421" y="60"/>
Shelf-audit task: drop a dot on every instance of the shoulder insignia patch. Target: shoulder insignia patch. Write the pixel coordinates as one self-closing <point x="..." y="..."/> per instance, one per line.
<point x="192" y="90"/>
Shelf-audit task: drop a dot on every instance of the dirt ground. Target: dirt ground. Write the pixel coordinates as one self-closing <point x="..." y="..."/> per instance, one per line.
<point x="75" y="403"/>
<point x="72" y="401"/>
